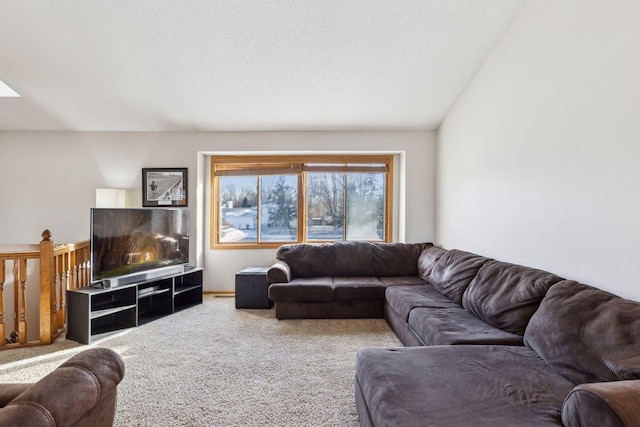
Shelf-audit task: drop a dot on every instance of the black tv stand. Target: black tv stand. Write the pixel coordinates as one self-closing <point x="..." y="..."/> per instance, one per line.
<point x="95" y="312"/>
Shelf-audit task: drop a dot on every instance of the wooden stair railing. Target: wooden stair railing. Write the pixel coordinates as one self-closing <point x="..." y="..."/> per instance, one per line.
<point x="62" y="267"/>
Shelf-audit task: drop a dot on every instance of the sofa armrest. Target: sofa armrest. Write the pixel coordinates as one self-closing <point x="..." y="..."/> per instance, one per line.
<point x="81" y="391"/>
<point x="613" y="403"/>
<point x="279" y="272"/>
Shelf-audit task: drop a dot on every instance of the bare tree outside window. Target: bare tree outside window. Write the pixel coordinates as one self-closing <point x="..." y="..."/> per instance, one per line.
<point x="325" y="206"/>
<point x="239" y="191"/>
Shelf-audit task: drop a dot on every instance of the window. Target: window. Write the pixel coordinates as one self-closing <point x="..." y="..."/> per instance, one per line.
<point x="266" y="201"/>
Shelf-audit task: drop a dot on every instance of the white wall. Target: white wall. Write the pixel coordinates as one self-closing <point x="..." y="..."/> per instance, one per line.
<point x="49" y="180"/>
<point x="538" y="160"/>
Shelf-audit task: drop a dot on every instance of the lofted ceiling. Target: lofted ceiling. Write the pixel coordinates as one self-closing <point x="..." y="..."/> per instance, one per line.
<point x="241" y="65"/>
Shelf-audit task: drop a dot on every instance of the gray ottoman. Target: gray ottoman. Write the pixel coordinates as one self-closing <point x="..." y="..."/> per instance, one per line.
<point x="252" y="288"/>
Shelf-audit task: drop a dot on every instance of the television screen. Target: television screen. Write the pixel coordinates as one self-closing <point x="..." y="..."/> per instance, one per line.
<point x="129" y="241"/>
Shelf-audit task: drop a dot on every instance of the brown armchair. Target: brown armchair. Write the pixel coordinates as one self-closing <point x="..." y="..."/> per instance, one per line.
<point x="80" y="392"/>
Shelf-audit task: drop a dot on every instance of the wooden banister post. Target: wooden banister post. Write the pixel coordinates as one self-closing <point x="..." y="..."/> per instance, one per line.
<point x="46" y="286"/>
<point x="16" y="295"/>
<point x="60" y="291"/>
<point x="22" y="315"/>
<point x="86" y="265"/>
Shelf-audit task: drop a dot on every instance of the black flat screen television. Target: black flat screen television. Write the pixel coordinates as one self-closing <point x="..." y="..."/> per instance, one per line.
<point x="130" y="243"/>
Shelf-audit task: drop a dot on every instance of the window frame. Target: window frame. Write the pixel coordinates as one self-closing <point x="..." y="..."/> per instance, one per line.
<point x="260" y="165"/>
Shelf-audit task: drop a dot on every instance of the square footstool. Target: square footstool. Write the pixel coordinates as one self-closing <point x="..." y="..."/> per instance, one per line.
<point x="252" y="288"/>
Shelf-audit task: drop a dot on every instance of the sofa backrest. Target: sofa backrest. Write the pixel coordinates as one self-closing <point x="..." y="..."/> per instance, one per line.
<point x="427" y="259"/>
<point x="307" y="260"/>
<point x="506" y="295"/>
<point x="396" y="259"/>
<point x="586" y="334"/>
<point x="453" y="272"/>
<point x="352" y="259"/>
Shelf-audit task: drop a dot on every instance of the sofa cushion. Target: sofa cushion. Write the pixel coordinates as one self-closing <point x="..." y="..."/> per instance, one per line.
<point x="349" y="288"/>
<point x="458" y="386"/>
<point x="396" y="259"/>
<point x="318" y="289"/>
<point x="447" y="326"/>
<point x="403" y="299"/>
<point x="453" y="272"/>
<point x="506" y="295"/>
<point x="587" y="334"/>
<point x="352" y="259"/>
<point x="308" y="260"/>
<point x="427" y="259"/>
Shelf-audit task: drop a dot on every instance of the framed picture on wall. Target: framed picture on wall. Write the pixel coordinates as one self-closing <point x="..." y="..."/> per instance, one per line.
<point x="164" y="187"/>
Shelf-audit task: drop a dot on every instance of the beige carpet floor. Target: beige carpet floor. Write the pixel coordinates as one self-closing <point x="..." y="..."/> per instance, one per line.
<point x="213" y="365"/>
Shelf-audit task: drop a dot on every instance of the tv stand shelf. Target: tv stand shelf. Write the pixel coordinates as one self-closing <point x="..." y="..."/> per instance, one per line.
<point x="108" y="311"/>
<point x="95" y="312"/>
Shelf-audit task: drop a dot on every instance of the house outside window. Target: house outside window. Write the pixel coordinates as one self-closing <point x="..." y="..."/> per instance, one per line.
<point x="266" y="201"/>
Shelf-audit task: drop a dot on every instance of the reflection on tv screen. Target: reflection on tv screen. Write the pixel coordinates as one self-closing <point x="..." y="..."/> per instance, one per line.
<point x="127" y="241"/>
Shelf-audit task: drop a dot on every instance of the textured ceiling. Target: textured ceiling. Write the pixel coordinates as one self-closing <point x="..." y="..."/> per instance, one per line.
<point x="203" y="65"/>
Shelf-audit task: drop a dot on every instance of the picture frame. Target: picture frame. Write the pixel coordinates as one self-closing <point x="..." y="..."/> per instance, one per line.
<point x="164" y="187"/>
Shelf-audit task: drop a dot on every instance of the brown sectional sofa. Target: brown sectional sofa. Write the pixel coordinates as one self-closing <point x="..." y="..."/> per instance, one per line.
<point x="488" y="343"/>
